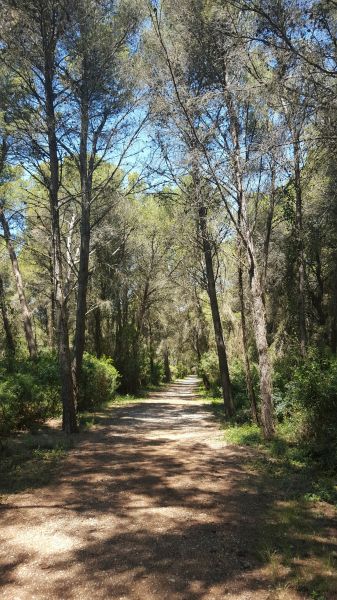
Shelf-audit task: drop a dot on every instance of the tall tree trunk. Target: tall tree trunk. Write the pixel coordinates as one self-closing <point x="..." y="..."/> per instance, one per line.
<point x="51" y="305"/>
<point x="152" y="355"/>
<point x="260" y="330"/>
<point x="98" y="332"/>
<point x="269" y="224"/>
<point x="300" y="247"/>
<point x="167" y="370"/>
<point x="48" y="29"/>
<point x="218" y="332"/>
<point x="26" y="317"/>
<point x="83" y="273"/>
<point x="201" y="342"/>
<point x="10" y="344"/>
<point x="259" y="313"/>
<point x="333" y="306"/>
<point x="249" y="379"/>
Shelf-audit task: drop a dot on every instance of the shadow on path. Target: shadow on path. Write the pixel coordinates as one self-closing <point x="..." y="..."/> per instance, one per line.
<point x="151" y="505"/>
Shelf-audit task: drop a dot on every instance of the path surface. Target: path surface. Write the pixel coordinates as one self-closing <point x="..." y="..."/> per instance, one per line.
<point x="151" y="505"/>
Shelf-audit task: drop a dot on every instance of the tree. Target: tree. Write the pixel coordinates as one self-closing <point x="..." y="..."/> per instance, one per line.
<point x="222" y="114"/>
<point x="36" y="59"/>
<point x="26" y="318"/>
<point x="97" y="41"/>
<point x="11" y="97"/>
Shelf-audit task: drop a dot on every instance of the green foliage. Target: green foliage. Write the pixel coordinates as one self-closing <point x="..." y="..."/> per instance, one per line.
<point x="155" y="373"/>
<point x="311" y="400"/>
<point x="208" y="370"/>
<point x="244" y="435"/>
<point x="283" y="458"/>
<point x="29" y="394"/>
<point x="99" y="382"/>
<point x="239" y="389"/>
<point x="181" y="370"/>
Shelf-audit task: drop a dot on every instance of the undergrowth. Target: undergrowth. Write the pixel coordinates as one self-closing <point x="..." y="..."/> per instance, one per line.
<point x="300" y="487"/>
<point x="284" y="457"/>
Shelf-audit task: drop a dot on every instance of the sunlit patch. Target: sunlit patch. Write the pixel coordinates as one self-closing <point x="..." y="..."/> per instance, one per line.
<point x="45" y="542"/>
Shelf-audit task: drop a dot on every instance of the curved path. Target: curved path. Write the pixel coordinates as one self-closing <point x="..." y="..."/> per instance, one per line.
<point x="150" y="505"/>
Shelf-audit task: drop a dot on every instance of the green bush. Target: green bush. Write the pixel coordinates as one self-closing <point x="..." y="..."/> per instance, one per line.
<point x="181" y="371"/>
<point x="99" y="382"/>
<point x="156" y="372"/>
<point x="311" y="399"/>
<point x="208" y="370"/>
<point x="29" y="393"/>
<point x="239" y="385"/>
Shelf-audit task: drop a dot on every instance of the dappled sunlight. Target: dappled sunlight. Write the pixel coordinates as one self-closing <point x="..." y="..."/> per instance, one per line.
<point x="152" y="505"/>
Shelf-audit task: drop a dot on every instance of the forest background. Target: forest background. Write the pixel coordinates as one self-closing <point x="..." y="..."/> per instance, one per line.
<point x="169" y="204"/>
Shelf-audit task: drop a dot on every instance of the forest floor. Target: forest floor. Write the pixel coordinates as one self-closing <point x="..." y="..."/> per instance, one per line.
<point x="151" y="503"/>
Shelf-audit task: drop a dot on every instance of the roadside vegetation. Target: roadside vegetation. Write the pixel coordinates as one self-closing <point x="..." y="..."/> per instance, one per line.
<point x="296" y="471"/>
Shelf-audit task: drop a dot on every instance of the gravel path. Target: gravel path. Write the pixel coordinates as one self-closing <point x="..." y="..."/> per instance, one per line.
<point x="150" y="505"/>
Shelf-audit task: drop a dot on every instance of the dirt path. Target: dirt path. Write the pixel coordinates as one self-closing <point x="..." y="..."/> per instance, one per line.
<point x="151" y="505"/>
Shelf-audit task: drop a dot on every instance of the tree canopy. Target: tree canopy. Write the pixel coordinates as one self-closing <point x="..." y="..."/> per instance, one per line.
<point x="169" y="203"/>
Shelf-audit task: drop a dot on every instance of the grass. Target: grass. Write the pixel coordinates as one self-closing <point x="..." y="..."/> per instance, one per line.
<point x="283" y="457"/>
<point x="295" y="545"/>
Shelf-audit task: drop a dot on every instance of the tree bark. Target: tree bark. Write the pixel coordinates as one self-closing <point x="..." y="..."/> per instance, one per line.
<point x="218" y="332"/>
<point x="269" y="225"/>
<point x="48" y="32"/>
<point x="25" y="313"/>
<point x="249" y="380"/>
<point x="83" y="273"/>
<point x="98" y="332"/>
<point x="51" y="305"/>
<point x="244" y="231"/>
<point x="10" y="344"/>
<point x="260" y="330"/>
<point x="333" y="305"/>
<point x="167" y="370"/>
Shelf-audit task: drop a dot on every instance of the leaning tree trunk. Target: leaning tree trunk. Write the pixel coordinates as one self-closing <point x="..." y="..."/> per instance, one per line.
<point x="61" y="317"/>
<point x="10" y="344"/>
<point x="218" y="332"/>
<point x="249" y="379"/>
<point x="26" y="318"/>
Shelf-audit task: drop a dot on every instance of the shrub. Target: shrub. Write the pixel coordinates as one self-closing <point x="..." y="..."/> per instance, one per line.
<point x="181" y="371"/>
<point x="99" y="382"/>
<point x="312" y="395"/>
<point x="239" y="385"/>
<point x="208" y="370"/>
<point x="29" y="394"/>
<point x="156" y="373"/>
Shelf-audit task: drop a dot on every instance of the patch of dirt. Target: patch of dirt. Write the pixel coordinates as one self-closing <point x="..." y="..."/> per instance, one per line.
<point x="150" y="505"/>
